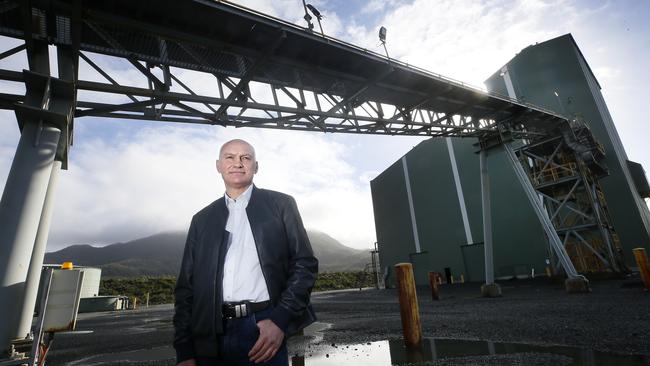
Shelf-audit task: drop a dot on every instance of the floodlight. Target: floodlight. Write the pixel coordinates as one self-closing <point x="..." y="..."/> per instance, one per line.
<point x="307" y="17"/>
<point x="318" y="16"/>
<point x="314" y="11"/>
<point x="382" y="34"/>
<point x="382" y="39"/>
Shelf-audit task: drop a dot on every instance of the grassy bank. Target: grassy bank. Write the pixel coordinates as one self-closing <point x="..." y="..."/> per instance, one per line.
<point x="161" y="289"/>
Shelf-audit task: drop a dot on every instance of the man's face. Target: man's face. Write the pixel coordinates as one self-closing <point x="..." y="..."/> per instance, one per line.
<point x="237" y="164"/>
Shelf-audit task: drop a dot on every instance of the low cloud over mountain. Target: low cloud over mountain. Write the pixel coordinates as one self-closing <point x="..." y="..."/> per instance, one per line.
<point x="161" y="254"/>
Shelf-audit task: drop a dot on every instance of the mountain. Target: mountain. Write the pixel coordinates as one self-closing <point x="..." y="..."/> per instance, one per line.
<point x="334" y="256"/>
<point x="161" y="254"/>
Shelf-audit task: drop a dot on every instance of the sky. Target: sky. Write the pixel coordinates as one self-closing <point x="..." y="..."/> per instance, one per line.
<point x="130" y="179"/>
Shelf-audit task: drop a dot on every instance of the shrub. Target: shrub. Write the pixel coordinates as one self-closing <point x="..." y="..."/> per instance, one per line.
<point x="161" y="289"/>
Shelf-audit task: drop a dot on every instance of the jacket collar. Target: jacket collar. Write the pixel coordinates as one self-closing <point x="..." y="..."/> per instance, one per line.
<point x="253" y="205"/>
<point x="257" y="214"/>
<point x="252" y="209"/>
<point x="243" y="198"/>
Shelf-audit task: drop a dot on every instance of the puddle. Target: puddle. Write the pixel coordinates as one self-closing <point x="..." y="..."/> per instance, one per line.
<point x="315" y="330"/>
<point x="461" y="352"/>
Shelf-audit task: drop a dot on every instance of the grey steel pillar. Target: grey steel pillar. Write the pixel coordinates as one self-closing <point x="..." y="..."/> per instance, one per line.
<point x="20" y="215"/>
<point x="487" y="219"/>
<point x="489" y="288"/>
<point x="36" y="262"/>
<point x="45" y="118"/>
<point x="67" y="66"/>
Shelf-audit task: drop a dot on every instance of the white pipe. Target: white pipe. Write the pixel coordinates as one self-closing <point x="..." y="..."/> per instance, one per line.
<point x="20" y="214"/>
<point x="36" y="262"/>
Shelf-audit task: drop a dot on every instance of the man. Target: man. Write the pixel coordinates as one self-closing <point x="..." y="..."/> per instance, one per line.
<point x="246" y="275"/>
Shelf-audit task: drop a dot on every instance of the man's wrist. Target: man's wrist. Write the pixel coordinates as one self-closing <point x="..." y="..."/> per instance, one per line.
<point x="281" y="318"/>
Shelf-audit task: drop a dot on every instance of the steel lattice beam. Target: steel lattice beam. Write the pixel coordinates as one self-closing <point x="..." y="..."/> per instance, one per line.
<point x="255" y="48"/>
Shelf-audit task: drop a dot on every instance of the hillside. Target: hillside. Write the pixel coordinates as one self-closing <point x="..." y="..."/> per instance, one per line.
<point x="161" y="254"/>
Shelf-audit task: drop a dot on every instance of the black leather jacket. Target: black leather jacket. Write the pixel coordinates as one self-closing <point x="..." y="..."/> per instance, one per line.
<point x="286" y="259"/>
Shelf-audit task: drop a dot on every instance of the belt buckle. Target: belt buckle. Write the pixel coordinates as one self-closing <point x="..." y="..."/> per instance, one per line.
<point x="241" y="310"/>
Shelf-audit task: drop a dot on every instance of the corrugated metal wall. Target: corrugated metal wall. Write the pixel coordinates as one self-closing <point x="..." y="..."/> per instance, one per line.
<point x="518" y="237"/>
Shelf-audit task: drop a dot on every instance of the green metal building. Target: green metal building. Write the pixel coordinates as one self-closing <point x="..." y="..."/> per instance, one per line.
<point x="427" y="205"/>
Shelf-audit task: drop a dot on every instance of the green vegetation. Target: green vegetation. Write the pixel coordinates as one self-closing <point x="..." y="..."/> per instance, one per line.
<point x="161" y="289"/>
<point x="343" y="280"/>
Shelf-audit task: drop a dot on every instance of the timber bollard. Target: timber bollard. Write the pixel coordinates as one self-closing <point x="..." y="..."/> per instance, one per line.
<point x="408" y="304"/>
<point x="644" y="267"/>
<point x="434" y="277"/>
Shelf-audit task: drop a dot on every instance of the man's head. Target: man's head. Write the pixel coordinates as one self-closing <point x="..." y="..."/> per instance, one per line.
<point x="237" y="165"/>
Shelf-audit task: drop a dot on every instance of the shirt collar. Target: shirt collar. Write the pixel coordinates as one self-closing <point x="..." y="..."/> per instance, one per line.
<point x="241" y="200"/>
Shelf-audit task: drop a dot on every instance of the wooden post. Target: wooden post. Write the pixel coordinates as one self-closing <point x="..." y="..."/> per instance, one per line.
<point x="434" y="277"/>
<point x="408" y="303"/>
<point x="298" y="360"/>
<point x="644" y="267"/>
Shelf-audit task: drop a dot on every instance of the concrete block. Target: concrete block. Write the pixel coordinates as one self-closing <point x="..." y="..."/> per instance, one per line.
<point x="491" y="290"/>
<point x="577" y="285"/>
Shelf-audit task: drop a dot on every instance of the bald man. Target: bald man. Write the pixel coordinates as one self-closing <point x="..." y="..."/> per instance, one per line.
<point x="246" y="275"/>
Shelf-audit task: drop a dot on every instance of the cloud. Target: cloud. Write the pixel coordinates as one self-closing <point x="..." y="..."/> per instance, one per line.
<point x="606" y="75"/>
<point x="379" y="6"/>
<point x="157" y="179"/>
<point x="464" y="39"/>
<point x="9" y="135"/>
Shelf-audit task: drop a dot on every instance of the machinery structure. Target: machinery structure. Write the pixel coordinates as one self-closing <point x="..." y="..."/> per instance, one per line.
<point x="556" y="74"/>
<point x="267" y="73"/>
<point x="565" y="173"/>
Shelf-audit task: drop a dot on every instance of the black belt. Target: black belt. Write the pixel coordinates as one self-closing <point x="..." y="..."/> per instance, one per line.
<point x="233" y="310"/>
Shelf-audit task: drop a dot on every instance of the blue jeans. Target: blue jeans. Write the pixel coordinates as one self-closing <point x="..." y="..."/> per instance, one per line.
<point x="237" y="340"/>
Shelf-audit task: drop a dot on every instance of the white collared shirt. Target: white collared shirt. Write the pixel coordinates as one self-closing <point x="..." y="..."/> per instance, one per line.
<point x="242" y="274"/>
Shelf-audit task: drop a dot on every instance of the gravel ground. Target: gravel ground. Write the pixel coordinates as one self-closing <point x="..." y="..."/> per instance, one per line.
<point x="614" y="317"/>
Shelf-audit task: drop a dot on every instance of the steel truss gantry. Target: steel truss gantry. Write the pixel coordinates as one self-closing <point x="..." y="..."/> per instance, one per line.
<point x="376" y="96"/>
<point x="564" y="170"/>
<point x="263" y="73"/>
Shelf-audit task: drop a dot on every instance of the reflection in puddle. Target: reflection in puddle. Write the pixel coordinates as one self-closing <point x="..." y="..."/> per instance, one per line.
<point x="461" y="352"/>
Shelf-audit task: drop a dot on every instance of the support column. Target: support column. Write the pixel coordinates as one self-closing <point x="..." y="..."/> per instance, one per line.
<point x="20" y="215"/>
<point x="489" y="289"/>
<point x="61" y="94"/>
<point x="36" y="262"/>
